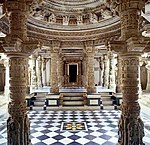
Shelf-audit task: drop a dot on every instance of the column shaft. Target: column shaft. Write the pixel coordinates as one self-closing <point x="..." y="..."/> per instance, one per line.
<point x="60" y="72"/>
<point x="148" y="78"/>
<point x="50" y="71"/>
<point x="6" y="91"/>
<point x="90" y="70"/>
<point x="33" y="73"/>
<point x="131" y="127"/>
<point x="84" y="76"/>
<point x="18" y="122"/>
<point x="112" y="78"/>
<point x="54" y="72"/>
<point x="118" y="79"/>
<point x="105" y="71"/>
<point x="40" y="83"/>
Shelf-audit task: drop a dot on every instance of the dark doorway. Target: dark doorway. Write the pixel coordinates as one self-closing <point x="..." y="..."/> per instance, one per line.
<point x="73" y="73"/>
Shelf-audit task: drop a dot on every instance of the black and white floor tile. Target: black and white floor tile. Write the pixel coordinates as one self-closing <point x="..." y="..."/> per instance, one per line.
<point x="101" y="128"/>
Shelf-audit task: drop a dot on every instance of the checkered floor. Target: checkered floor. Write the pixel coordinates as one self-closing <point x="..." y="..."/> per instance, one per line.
<point x="101" y="128"/>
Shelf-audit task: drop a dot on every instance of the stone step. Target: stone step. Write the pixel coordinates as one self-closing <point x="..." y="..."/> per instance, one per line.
<point x="37" y="107"/>
<point x="105" y="93"/>
<point x="39" y="102"/>
<point x="105" y="98"/>
<point x="72" y="94"/>
<point x="108" y="102"/>
<point x="72" y="98"/>
<point x="108" y="107"/>
<point x="40" y="98"/>
<point x="73" y="103"/>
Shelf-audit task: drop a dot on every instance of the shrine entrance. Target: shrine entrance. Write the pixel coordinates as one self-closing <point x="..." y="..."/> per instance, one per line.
<point x="73" y="76"/>
<point x="73" y="72"/>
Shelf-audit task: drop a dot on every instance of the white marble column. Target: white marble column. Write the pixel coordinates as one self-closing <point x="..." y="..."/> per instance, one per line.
<point x="105" y="71"/>
<point x="6" y="90"/>
<point x="148" y="78"/>
<point x="44" y="73"/>
<point x="49" y="82"/>
<point x="33" y="74"/>
<point x="112" y="78"/>
<point x="118" y="77"/>
<point x="100" y="71"/>
<point x="39" y="78"/>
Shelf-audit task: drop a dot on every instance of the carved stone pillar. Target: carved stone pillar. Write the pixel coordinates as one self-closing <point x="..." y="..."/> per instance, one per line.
<point x="50" y="71"/>
<point x="90" y="69"/>
<point x="148" y="78"/>
<point x="33" y="73"/>
<point x="39" y="78"/>
<point x="100" y="71"/>
<point x="112" y="78"/>
<point x="54" y="67"/>
<point x="60" y="72"/>
<point x="99" y="60"/>
<point x="130" y="46"/>
<point x="118" y="77"/>
<point x="6" y="91"/>
<point x="2" y="77"/>
<point x="79" y="73"/>
<point x="105" y="71"/>
<point x="18" y="122"/>
<point x="84" y="76"/>
<point x="44" y="75"/>
<point x="54" y="74"/>
<point x="18" y="47"/>
<point x="131" y="127"/>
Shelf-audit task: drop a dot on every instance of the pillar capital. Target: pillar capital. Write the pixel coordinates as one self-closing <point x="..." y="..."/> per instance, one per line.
<point x="16" y="45"/>
<point x="129" y="11"/>
<point x="124" y="5"/>
<point x="89" y="46"/>
<point x="18" y="11"/>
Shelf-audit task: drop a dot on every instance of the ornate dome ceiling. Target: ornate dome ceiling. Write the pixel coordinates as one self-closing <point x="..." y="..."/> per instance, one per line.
<point x="71" y="12"/>
<point x="73" y="20"/>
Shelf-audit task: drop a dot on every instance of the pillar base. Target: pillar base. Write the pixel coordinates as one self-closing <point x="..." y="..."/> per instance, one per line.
<point x="148" y="88"/>
<point x="131" y="127"/>
<point x="91" y="89"/>
<point x="54" y="90"/>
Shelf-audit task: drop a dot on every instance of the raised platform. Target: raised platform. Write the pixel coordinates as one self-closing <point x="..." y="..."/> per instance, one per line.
<point x="42" y="99"/>
<point x="73" y="90"/>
